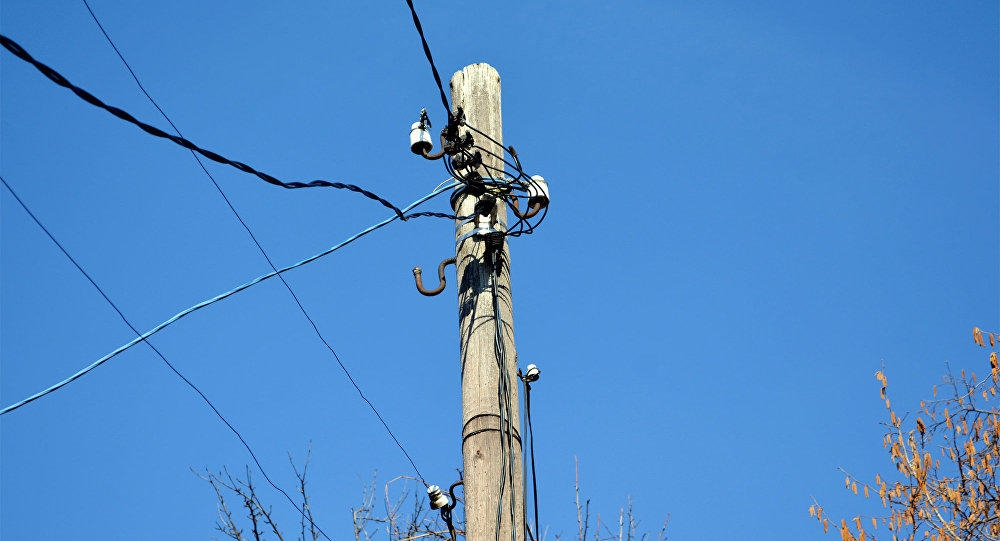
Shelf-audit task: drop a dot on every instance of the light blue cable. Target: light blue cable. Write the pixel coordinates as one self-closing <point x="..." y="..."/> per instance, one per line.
<point x="218" y="298"/>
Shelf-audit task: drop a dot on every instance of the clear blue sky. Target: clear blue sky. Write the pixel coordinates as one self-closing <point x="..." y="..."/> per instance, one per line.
<point x="754" y="207"/>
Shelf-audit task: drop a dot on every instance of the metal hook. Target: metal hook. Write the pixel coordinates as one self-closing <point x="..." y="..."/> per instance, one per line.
<point x="417" y="271"/>
<point x="535" y="206"/>
<point x="426" y="152"/>
<point x="451" y="141"/>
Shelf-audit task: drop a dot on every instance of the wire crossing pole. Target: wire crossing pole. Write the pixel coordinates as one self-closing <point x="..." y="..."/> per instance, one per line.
<point x="491" y="445"/>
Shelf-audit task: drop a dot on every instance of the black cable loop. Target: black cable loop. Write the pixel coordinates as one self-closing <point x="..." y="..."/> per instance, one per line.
<point x="530" y="228"/>
<point x="503" y="180"/>
<point x="514" y="436"/>
<point x="515" y="179"/>
<point x="479" y="416"/>
<point x="484" y="134"/>
<point x="511" y="182"/>
<point x="502" y="427"/>
<point x="58" y="79"/>
<point x="519" y="181"/>
<point x="544" y="213"/>
<point x="520" y="172"/>
<point x="522" y="226"/>
<point x="518" y="228"/>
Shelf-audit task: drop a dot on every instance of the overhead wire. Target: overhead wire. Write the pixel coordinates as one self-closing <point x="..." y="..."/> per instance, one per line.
<point x="208" y="302"/>
<point x="161" y="356"/>
<point x="430" y="60"/>
<point x="464" y="168"/>
<point x="180" y="140"/>
<point x="462" y="164"/>
<point x="484" y="134"/>
<point x="504" y="187"/>
<point x="260" y="248"/>
<point x="60" y="80"/>
<point x="523" y="225"/>
<point x="521" y="174"/>
<point x="507" y="183"/>
<point x="458" y="119"/>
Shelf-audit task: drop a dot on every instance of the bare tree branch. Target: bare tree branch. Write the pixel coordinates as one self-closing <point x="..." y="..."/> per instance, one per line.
<point x="405" y="514"/>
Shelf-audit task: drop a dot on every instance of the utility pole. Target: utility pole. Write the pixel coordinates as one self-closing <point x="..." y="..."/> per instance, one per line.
<point x="491" y="443"/>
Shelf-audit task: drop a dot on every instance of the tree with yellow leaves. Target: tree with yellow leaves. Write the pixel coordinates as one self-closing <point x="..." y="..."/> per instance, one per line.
<point x="946" y="460"/>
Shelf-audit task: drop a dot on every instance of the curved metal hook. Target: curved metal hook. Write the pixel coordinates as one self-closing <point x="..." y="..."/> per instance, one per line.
<point x="451" y="142"/>
<point x="417" y="271"/>
<point x="426" y="152"/>
<point x="534" y="208"/>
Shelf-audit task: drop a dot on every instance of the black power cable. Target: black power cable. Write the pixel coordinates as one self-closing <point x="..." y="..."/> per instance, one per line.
<point x="531" y="446"/>
<point x="161" y="356"/>
<point x="208" y="302"/>
<point x="505" y="406"/>
<point x="58" y="79"/>
<point x="430" y="60"/>
<point x="507" y="182"/>
<point x="264" y="252"/>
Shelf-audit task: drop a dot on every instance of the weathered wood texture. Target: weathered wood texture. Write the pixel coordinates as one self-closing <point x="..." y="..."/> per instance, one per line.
<point x="477" y="90"/>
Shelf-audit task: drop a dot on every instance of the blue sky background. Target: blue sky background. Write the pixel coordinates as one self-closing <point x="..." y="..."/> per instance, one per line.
<point x="754" y="207"/>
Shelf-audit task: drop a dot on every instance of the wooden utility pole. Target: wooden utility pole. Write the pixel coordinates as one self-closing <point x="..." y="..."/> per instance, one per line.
<point x="491" y="444"/>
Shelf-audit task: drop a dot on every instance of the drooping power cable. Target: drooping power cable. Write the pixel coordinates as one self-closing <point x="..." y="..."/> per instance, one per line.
<point x="162" y="357"/>
<point x="57" y="78"/>
<point x="217" y="298"/>
<point x="260" y="248"/>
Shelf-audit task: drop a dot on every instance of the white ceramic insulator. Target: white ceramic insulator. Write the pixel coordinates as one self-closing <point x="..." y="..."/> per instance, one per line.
<point x="483" y="222"/>
<point x="538" y="187"/>
<point x="436" y="497"/>
<point x="532" y="373"/>
<point x="419" y="136"/>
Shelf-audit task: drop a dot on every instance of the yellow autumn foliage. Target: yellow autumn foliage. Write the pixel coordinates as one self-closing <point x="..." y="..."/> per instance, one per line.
<point x="956" y="498"/>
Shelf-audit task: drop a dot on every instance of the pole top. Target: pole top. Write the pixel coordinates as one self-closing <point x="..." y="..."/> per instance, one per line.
<point x="477" y="70"/>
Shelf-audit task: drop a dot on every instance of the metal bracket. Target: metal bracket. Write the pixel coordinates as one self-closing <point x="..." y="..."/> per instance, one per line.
<point x="482" y="233"/>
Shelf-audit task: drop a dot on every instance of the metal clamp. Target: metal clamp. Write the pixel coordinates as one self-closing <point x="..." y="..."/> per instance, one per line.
<point x="481" y="233"/>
